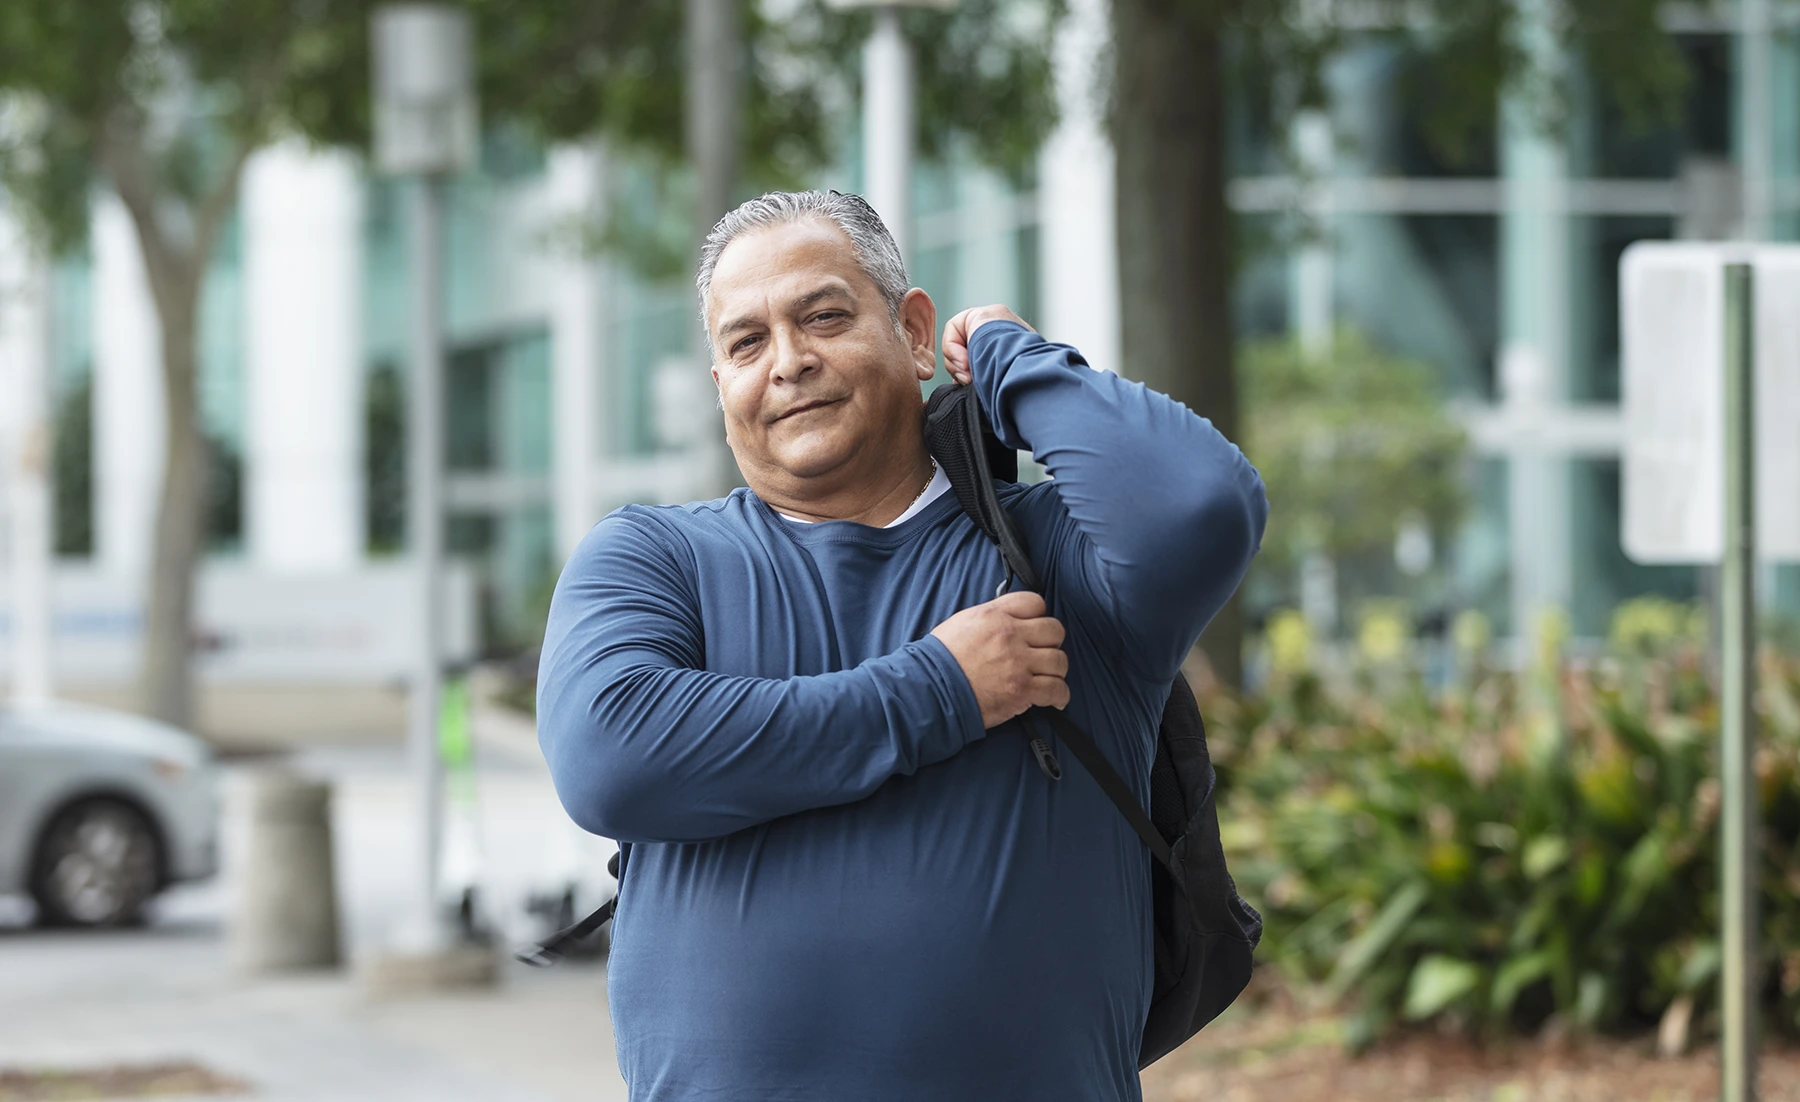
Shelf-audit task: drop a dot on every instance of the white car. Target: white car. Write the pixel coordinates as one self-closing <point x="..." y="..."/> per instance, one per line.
<point x="100" y="810"/>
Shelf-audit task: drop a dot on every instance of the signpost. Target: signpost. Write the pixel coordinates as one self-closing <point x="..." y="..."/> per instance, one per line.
<point x="425" y="127"/>
<point x="1710" y="336"/>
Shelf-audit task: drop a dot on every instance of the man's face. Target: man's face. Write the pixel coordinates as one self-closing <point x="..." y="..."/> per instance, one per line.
<point x="815" y="380"/>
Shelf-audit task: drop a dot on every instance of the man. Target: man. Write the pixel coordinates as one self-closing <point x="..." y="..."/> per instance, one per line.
<point x="847" y="878"/>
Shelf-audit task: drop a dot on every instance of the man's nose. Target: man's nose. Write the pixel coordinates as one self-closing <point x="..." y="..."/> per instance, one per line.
<point x="794" y="356"/>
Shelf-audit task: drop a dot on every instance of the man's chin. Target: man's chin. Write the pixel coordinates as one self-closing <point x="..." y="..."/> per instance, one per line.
<point x="816" y="457"/>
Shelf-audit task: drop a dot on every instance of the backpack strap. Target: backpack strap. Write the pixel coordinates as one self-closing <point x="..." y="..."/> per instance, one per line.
<point x="960" y="440"/>
<point x="1110" y="783"/>
<point x="972" y="457"/>
<point x="550" y="950"/>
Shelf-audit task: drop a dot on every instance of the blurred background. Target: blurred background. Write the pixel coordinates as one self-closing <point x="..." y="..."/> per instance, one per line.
<point x="1378" y="243"/>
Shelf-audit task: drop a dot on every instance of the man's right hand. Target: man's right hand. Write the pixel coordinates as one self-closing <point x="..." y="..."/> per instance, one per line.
<point x="1010" y="649"/>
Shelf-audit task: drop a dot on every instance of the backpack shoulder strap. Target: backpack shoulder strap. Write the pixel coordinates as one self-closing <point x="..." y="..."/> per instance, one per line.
<point x="1110" y="783"/>
<point x="971" y="457"/>
<point x="960" y="440"/>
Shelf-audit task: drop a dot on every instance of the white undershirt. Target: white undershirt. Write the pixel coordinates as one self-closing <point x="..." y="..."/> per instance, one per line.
<point x="940" y="482"/>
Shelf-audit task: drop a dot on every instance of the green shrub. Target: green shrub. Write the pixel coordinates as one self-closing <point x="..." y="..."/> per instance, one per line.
<point x="1513" y="848"/>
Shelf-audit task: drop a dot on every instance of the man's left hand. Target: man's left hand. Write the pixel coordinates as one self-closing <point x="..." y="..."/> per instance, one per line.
<point x="961" y="327"/>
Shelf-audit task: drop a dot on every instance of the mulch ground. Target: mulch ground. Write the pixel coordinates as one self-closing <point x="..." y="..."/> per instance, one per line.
<point x="124" y="1081"/>
<point x="1272" y="1051"/>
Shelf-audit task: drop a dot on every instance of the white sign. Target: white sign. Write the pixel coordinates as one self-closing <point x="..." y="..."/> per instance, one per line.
<point x="253" y="627"/>
<point x="1672" y="345"/>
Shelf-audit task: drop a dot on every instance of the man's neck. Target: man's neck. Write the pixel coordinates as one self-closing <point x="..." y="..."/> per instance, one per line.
<point x="875" y="502"/>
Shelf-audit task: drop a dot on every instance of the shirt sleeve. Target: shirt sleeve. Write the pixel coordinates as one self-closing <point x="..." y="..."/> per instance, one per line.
<point x="1167" y="512"/>
<point x="645" y="746"/>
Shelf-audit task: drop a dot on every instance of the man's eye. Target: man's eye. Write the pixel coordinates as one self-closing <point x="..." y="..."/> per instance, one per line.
<point x="828" y="315"/>
<point x="744" y="345"/>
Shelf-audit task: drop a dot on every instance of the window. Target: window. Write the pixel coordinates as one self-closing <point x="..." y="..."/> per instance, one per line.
<point x="1596" y="243"/>
<point x="1396" y="115"/>
<point x="1425" y="286"/>
<point x="1608" y="144"/>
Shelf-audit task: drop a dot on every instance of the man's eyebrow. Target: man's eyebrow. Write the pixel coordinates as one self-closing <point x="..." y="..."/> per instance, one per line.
<point x="737" y="324"/>
<point x="811" y="298"/>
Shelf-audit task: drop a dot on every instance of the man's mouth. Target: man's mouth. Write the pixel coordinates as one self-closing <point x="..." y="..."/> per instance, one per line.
<point x="803" y="407"/>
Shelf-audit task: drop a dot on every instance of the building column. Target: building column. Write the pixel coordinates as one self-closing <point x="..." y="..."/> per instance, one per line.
<point x="1534" y="369"/>
<point x="25" y="438"/>
<point x="1314" y="279"/>
<point x="130" y="422"/>
<point x="303" y="461"/>
<point x="580" y="418"/>
<point x="1077" y="239"/>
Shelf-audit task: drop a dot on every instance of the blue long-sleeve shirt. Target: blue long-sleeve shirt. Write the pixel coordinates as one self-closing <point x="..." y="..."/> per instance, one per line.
<point x="842" y="887"/>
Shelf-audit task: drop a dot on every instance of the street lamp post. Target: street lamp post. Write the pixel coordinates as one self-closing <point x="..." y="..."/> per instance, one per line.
<point x="889" y="129"/>
<point x="425" y="127"/>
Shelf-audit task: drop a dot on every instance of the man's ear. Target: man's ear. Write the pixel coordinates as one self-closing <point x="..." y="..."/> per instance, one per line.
<point x="918" y="322"/>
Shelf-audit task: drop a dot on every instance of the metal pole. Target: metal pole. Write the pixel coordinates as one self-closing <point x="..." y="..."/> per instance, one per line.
<point x="715" y="102"/>
<point x="1756" y="45"/>
<point x="888" y="126"/>
<point x="714" y="120"/>
<point x="1737" y="834"/>
<point x="425" y="521"/>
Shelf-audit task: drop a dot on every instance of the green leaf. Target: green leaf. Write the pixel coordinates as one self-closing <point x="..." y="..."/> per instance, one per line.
<point x="1544" y="855"/>
<point x="1368" y="946"/>
<point x="1644" y="869"/>
<point x="1590" y="879"/>
<point x="1515" y="976"/>
<point x="1437" y="982"/>
<point x="1701" y="966"/>
<point x="1591" y="1000"/>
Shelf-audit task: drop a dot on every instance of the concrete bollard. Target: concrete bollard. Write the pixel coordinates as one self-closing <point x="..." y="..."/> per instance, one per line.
<point x="285" y="916"/>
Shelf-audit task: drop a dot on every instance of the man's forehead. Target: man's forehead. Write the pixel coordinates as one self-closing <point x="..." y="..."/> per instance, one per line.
<point x="778" y="265"/>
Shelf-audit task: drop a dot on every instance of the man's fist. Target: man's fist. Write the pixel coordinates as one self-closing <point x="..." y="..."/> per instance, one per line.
<point x="1011" y="652"/>
<point x="961" y="327"/>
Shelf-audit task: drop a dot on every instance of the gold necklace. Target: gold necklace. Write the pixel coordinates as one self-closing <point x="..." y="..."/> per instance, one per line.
<point x="922" y="489"/>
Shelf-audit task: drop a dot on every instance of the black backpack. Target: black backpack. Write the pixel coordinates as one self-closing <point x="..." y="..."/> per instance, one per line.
<point x="1204" y="931"/>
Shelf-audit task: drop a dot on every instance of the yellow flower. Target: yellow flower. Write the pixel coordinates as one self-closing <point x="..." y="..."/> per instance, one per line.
<point x="1448" y="862"/>
<point x="1382" y="637"/>
<point x="1644" y="625"/>
<point x="1290" y="642"/>
<point x="1471" y="632"/>
<point x="1552" y="632"/>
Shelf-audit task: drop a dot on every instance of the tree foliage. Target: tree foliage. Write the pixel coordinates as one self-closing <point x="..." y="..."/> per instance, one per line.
<point x="1472" y="55"/>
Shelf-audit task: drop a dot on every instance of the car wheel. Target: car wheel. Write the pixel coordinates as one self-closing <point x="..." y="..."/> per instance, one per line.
<point x="97" y="865"/>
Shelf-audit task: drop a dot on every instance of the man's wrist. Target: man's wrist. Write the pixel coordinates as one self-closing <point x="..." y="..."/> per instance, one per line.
<point x="988" y="324"/>
<point x="962" y="708"/>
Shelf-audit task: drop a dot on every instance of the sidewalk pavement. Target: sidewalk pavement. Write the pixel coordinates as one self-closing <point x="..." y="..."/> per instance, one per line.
<point x="71" y="1001"/>
<point x="74" y="1000"/>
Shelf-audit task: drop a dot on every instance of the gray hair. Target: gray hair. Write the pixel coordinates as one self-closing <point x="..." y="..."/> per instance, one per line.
<point x="870" y="240"/>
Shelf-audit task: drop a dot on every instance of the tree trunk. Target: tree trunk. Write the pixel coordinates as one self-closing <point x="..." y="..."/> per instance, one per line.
<point x="166" y="683"/>
<point x="175" y="265"/>
<point x="1175" y="229"/>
